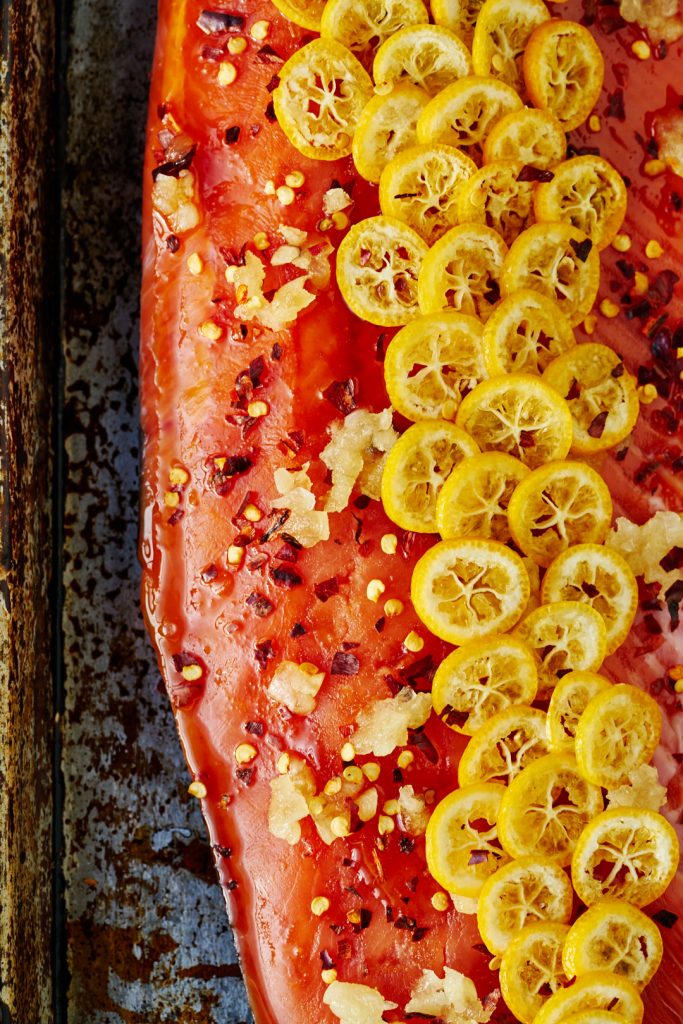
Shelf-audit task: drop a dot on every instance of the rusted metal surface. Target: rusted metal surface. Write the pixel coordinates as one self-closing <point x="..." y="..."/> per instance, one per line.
<point x="147" y="935"/>
<point x="27" y="344"/>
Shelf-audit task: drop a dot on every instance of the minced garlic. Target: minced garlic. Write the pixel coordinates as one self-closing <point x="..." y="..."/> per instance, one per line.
<point x="645" y="546"/>
<point x="356" y="1004"/>
<point x="412" y="808"/>
<point x="296" y="686"/>
<point x="383" y="725"/>
<point x="289" y="797"/>
<point x="669" y="134"/>
<point x="286" y="304"/>
<point x="174" y="198"/>
<point x="335" y="200"/>
<point x="305" y="523"/>
<point x="453" y="998"/>
<point x="641" y="789"/>
<point x="356" y="453"/>
<point x="660" y="18"/>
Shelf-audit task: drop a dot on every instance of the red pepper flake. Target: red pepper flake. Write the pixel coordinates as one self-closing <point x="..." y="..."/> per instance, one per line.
<point x="245" y="775"/>
<point x="397" y="776"/>
<point x="405" y="924"/>
<point x="214" y="53"/>
<point x="380" y="624"/>
<point x="172" y="168"/>
<point x="232" y="134"/>
<point x="406" y="844"/>
<point x="297" y="630"/>
<point x="617" y="371"/>
<point x="666" y="918"/>
<point x="264" y="652"/>
<point x="276" y="352"/>
<point x="615" y="105"/>
<point x="419" y="934"/>
<point x="215" y="22"/>
<point x="380" y="347"/>
<point x="232" y="884"/>
<point x="222" y="851"/>
<point x="344" y="664"/>
<point x="285" y="578"/>
<point x="209" y="573"/>
<point x="173" y="243"/>
<point x="419" y="739"/>
<point x="531" y="173"/>
<point x="342" y="395"/>
<point x="261" y="605"/>
<point x="183" y="660"/>
<point x="255" y="728"/>
<point x="270" y="113"/>
<point x="582" y="249"/>
<point x="478" y="857"/>
<point x="451" y="716"/>
<point x="287" y="553"/>
<point x="422" y="669"/>
<point x="277" y="525"/>
<point x="660" y="292"/>
<point x="175" y="516"/>
<point x="273" y="83"/>
<point x="597" y="425"/>
<point x="673" y="597"/>
<point x="327" y="589"/>
<point x="672" y="561"/>
<point x="267" y="55"/>
<point x="328" y="962"/>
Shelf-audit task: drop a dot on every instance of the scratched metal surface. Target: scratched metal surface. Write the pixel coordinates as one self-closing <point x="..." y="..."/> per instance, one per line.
<point x="147" y="936"/>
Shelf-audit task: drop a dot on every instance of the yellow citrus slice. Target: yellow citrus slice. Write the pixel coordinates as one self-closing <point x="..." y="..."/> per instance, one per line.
<point x="629" y="853"/>
<point x="597" y="990"/>
<point x="416" y="469"/>
<point x="462" y="270"/>
<point x="459" y="16"/>
<point x="421" y="186"/>
<point x="531" y="969"/>
<point x="618" y="731"/>
<point x="465" y="590"/>
<point x="588" y="193"/>
<point x="558" y="505"/>
<point x="567" y="636"/>
<point x="614" y="936"/>
<point x="502" y="31"/>
<point x="509" y="741"/>
<point x="520" y="893"/>
<point x="306" y="13"/>
<point x="598" y="576"/>
<point x="363" y="25"/>
<point x="432" y="363"/>
<point x="563" y="71"/>
<point x="482" y="678"/>
<point x="498" y="197"/>
<point x="533" y="137"/>
<point x="320" y="97"/>
<point x="567" y="703"/>
<point x="461" y="841"/>
<point x="520" y="415"/>
<point x="602" y="396"/>
<point x="557" y="261"/>
<point x="546" y="807"/>
<point x="474" y="500"/>
<point x="525" y="332"/>
<point x="465" y="112"/>
<point x="387" y="126"/>
<point x="429" y="56"/>
<point x="377" y="268"/>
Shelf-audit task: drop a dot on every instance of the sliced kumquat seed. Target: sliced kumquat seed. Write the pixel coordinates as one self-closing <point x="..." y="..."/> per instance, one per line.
<point x="481" y="679"/>
<point x="474" y="500"/>
<point x="568" y="702"/>
<point x="588" y="193"/>
<point x="462" y="271"/>
<point x="531" y="969"/>
<point x="429" y="56"/>
<point x="617" y="733"/>
<point x="504" y="745"/>
<point x="525" y="333"/>
<point x="564" y="71"/>
<point x="502" y="31"/>
<point x="598" y="990"/>
<point x="566" y="636"/>
<point x="496" y="195"/>
<point x="614" y="936"/>
<point x="387" y="126"/>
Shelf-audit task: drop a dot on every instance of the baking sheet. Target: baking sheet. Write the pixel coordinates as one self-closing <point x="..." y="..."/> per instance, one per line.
<point x="145" y="936"/>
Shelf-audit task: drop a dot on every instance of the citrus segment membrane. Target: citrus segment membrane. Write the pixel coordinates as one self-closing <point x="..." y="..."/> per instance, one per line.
<point x="377" y="267"/>
<point x="387" y="126"/>
<point x="525" y="332"/>
<point x="363" y="25"/>
<point x="531" y="969"/>
<point x="527" y="890"/>
<point x="509" y="741"/>
<point x="566" y="636"/>
<point x="557" y="261"/>
<point x="429" y="56"/>
<point x="568" y="702"/>
<point x="482" y="678"/>
<point x="563" y="71"/>
<point x="462" y="271"/>
<point x="460" y="16"/>
<point x="417" y="467"/>
<point x="432" y="363"/>
<point x="463" y="113"/>
<point x="318" y="102"/>
<point x="546" y="808"/>
<point x="502" y="31"/>
<point x="598" y="990"/>
<point x="618" y="732"/>
<point x="557" y="506"/>
<point x="533" y="137"/>
<point x="598" y="576"/>
<point x="614" y="936"/>
<point x="588" y="193"/>
<point x="497" y="195"/>
<point x="474" y="501"/>
<point x="421" y="187"/>
<point x="461" y="841"/>
<point x="464" y="590"/>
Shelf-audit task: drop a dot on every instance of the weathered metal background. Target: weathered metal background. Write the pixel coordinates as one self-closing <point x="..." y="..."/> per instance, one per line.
<point x="147" y="938"/>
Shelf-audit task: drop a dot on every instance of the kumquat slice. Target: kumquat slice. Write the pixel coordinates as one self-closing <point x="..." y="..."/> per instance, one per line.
<point x="520" y="415"/>
<point x="429" y="56"/>
<point x="474" y="500"/>
<point x="525" y="332"/>
<point x="594" y="1016"/>
<point x="496" y="196"/>
<point x="568" y="702"/>
<point x="462" y="271"/>
<point x="533" y="137"/>
<point x="306" y="13"/>
<point x="387" y="126"/>
<point x="614" y="936"/>
<point x="416" y="469"/>
<point x="598" y="990"/>
<point x="421" y="187"/>
<point x="598" y="576"/>
<point x="618" y="731"/>
<point x="628" y="853"/>
<point x="481" y="679"/>
<point x="588" y="193"/>
<point x="465" y="590"/>
<point x="602" y="396"/>
<point x="566" y="636"/>
<point x="432" y="363"/>
<point x="464" y="113"/>
<point x="563" y="71"/>
<point x="363" y="25"/>
<point x="460" y="16"/>
<point x="556" y="506"/>
<point x="461" y="842"/>
<point x="504" y="745"/>
<point x="557" y="261"/>
<point x="527" y="890"/>
<point x="320" y="97"/>
<point x="377" y="267"/>
<point x="501" y="33"/>
<point x="531" y="969"/>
